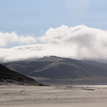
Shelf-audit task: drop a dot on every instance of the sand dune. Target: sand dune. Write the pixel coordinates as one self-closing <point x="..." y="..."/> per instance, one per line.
<point x="63" y="96"/>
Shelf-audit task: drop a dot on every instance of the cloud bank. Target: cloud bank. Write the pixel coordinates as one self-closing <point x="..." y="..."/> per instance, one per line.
<point x="6" y="38"/>
<point x="32" y="52"/>
<point x="80" y="42"/>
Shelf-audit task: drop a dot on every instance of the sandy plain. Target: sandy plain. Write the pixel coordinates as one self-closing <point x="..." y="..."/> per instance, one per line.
<point x="53" y="96"/>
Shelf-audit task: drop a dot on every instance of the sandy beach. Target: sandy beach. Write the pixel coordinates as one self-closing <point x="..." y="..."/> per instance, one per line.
<point x="53" y="96"/>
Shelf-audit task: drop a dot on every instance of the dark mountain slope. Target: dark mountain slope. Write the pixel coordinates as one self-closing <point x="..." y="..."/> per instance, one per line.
<point x="7" y="74"/>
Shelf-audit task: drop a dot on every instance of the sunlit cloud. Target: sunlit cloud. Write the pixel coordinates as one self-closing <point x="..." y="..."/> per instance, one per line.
<point x="87" y="42"/>
<point x="6" y="38"/>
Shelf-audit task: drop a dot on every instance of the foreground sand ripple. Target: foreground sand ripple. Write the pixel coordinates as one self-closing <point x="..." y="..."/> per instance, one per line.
<point x="57" y="96"/>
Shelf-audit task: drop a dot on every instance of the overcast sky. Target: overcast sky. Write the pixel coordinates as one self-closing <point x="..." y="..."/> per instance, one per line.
<point x="68" y="28"/>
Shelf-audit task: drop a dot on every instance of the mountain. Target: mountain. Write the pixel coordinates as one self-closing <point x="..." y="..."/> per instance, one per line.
<point x="98" y="64"/>
<point x="9" y="76"/>
<point x="57" y="68"/>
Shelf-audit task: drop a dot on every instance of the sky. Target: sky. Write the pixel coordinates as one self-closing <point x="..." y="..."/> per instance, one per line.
<point x="67" y="28"/>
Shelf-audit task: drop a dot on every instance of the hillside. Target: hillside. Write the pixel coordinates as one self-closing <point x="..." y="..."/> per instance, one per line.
<point x="98" y="64"/>
<point x="57" y="68"/>
<point x="9" y="76"/>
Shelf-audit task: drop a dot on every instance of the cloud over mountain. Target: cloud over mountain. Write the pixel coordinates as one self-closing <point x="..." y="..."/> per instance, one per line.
<point x="85" y="41"/>
<point x="80" y="42"/>
<point x="33" y="52"/>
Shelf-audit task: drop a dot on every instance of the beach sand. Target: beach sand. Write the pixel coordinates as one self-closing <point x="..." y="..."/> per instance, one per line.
<point x="53" y="96"/>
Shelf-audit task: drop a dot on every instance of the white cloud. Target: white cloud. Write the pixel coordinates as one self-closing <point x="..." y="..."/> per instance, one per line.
<point x="80" y="42"/>
<point x="32" y="52"/>
<point x="87" y="42"/>
<point x="13" y="37"/>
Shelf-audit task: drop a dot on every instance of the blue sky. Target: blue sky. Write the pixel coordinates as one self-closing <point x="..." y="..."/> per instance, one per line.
<point x="37" y="16"/>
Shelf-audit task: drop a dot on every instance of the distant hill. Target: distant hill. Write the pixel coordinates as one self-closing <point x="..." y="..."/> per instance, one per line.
<point x="57" y="68"/>
<point x="9" y="76"/>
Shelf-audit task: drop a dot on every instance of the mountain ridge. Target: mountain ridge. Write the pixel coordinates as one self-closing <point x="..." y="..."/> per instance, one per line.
<point x="59" y="68"/>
